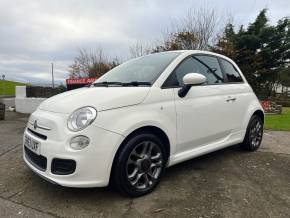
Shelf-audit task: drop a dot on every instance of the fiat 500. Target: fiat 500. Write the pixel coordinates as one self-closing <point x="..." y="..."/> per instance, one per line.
<point x="141" y="117"/>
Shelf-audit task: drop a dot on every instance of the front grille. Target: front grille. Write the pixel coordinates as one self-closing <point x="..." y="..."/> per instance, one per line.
<point x="63" y="166"/>
<point x="44" y="137"/>
<point x="36" y="160"/>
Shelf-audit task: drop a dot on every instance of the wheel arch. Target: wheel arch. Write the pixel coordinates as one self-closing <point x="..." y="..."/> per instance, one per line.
<point x="254" y="108"/>
<point x="150" y="129"/>
<point x="260" y="113"/>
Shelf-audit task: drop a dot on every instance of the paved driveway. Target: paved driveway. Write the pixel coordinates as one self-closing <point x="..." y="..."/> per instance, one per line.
<point x="227" y="183"/>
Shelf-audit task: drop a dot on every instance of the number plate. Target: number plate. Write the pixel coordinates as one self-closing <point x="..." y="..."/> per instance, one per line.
<point x="32" y="144"/>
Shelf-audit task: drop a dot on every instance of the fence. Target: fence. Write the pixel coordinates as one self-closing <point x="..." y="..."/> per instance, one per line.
<point x="43" y="92"/>
<point x="30" y="97"/>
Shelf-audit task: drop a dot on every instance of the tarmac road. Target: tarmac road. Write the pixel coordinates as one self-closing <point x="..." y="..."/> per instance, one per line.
<point x="226" y="183"/>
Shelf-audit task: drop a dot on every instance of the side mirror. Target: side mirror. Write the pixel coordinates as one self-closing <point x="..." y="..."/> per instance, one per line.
<point x="189" y="80"/>
<point x="194" y="79"/>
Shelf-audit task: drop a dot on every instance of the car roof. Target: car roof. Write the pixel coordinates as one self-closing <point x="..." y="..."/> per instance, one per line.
<point x="188" y="52"/>
<point x="185" y="53"/>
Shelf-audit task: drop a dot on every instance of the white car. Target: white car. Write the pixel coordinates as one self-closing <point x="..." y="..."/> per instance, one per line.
<point x="142" y="116"/>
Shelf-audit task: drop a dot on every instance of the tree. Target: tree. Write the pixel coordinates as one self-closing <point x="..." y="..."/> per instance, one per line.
<point x="196" y="30"/>
<point x="274" y="53"/>
<point x="261" y="50"/>
<point x="259" y="24"/>
<point x="138" y="49"/>
<point x="177" y="41"/>
<point x="248" y="45"/>
<point x="92" y="63"/>
<point x="225" y="44"/>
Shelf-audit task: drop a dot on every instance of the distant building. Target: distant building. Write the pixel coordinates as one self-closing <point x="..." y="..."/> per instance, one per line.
<point x="283" y="90"/>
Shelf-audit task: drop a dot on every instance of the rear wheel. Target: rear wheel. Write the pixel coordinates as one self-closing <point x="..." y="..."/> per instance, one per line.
<point x="254" y="134"/>
<point x="139" y="165"/>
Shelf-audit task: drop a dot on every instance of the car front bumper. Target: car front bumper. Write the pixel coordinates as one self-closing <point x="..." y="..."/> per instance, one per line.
<point x="92" y="164"/>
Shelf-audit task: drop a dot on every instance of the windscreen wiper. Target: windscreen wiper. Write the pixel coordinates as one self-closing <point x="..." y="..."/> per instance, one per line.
<point x="106" y="84"/>
<point x="136" y="83"/>
<point x="133" y="83"/>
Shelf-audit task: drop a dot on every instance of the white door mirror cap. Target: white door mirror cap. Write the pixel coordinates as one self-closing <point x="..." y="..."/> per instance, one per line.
<point x="194" y="79"/>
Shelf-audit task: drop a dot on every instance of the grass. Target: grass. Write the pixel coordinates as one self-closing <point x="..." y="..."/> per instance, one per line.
<point x="8" y="87"/>
<point x="279" y="122"/>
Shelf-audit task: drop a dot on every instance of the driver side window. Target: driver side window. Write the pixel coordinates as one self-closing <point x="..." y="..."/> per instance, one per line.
<point x="187" y="66"/>
<point x="193" y="65"/>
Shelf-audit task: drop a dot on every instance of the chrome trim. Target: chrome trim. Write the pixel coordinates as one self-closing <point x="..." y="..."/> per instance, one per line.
<point x="39" y="126"/>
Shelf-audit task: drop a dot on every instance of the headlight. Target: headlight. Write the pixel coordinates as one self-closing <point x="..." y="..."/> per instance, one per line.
<point x="81" y="118"/>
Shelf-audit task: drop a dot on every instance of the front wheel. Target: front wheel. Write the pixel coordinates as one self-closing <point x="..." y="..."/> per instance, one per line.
<point x="139" y="165"/>
<point x="254" y="134"/>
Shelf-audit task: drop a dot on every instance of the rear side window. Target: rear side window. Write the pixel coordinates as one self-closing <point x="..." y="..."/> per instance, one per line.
<point x="231" y="72"/>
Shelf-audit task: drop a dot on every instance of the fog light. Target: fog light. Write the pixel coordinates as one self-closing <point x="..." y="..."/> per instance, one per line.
<point x="79" y="142"/>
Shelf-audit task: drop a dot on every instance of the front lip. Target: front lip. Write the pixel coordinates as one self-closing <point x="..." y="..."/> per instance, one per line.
<point x="43" y="177"/>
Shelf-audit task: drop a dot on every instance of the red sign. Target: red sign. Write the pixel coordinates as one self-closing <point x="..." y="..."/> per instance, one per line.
<point x="80" y="81"/>
<point x="266" y="106"/>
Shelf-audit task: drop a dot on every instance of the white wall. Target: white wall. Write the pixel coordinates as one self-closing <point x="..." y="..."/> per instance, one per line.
<point x="27" y="105"/>
<point x="9" y="102"/>
<point x="23" y="104"/>
<point x="20" y="91"/>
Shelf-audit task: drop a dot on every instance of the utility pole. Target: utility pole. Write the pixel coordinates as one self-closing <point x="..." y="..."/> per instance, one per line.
<point x="52" y="77"/>
<point x="3" y="78"/>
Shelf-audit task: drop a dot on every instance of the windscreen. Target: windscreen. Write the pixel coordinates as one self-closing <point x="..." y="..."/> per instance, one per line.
<point x="144" y="69"/>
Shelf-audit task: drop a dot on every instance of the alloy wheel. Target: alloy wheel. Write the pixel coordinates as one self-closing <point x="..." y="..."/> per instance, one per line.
<point x="256" y="133"/>
<point x="144" y="165"/>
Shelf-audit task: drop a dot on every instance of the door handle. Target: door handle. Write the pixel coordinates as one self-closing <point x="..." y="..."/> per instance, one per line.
<point x="231" y="99"/>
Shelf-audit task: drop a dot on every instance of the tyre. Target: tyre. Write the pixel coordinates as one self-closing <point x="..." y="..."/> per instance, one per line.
<point x="139" y="164"/>
<point x="254" y="134"/>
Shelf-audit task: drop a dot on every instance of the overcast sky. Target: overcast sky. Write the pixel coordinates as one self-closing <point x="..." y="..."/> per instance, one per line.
<point x="34" y="33"/>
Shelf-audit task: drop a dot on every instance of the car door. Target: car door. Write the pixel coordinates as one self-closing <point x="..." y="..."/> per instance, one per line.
<point x="202" y="113"/>
<point x="238" y="94"/>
